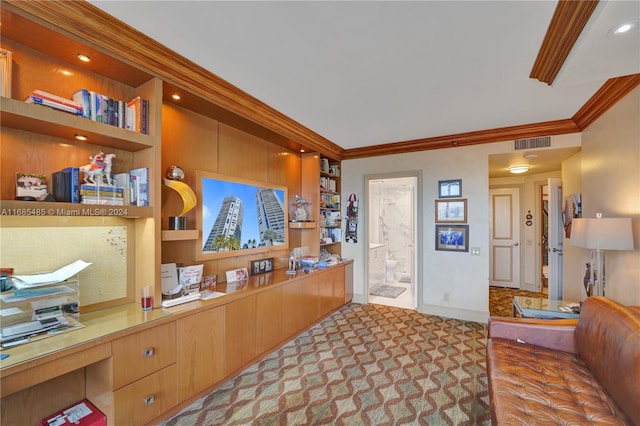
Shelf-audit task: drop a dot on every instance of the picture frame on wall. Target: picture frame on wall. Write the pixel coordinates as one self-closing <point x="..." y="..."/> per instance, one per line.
<point x="261" y="266"/>
<point x="452" y="238"/>
<point x="451" y="211"/>
<point x="450" y="188"/>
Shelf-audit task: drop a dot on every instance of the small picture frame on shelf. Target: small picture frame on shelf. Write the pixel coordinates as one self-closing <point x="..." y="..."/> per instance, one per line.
<point x="452" y="238"/>
<point x="261" y="266"/>
<point x="451" y="211"/>
<point x="239" y="274"/>
<point x="450" y="188"/>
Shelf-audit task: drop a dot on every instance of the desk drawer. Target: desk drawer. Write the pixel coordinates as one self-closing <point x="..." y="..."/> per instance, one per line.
<point x="147" y="398"/>
<point x="140" y="354"/>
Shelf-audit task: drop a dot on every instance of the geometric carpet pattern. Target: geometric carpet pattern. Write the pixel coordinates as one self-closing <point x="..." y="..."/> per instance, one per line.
<point x="362" y="365"/>
<point x="501" y="300"/>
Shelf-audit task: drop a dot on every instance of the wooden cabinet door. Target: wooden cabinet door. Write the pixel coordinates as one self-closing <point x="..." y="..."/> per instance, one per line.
<point x="200" y="351"/>
<point x="146" y="399"/>
<point x="325" y="293"/>
<point x="240" y="333"/>
<point x="268" y="319"/>
<point x="337" y="279"/>
<point x="140" y="354"/>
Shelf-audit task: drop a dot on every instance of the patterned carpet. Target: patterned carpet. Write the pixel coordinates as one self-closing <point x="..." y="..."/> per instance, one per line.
<point x="501" y="300"/>
<point x="364" y="364"/>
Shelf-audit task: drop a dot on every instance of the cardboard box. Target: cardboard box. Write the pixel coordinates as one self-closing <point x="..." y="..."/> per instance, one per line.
<point x="82" y="413"/>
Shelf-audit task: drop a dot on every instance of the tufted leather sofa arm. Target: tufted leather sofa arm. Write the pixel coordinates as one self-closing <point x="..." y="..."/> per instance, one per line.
<point x="553" y="334"/>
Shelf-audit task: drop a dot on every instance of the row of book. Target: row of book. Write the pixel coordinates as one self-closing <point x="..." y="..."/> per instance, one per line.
<point x="132" y="115"/>
<point x="330" y="201"/>
<point x="130" y="189"/>
<point x="328" y="184"/>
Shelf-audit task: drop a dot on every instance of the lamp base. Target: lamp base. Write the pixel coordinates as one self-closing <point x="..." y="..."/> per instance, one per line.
<point x="177" y="223"/>
<point x="597" y="273"/>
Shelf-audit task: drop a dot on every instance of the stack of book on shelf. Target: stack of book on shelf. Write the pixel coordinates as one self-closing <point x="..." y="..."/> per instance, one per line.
<point x="102" y="195"/>
<point x="132" y="115"/>
<point x="40" y="97"/>
<point x="130" y="189"/>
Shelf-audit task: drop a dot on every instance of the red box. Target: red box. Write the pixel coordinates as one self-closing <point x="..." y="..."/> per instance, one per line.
<point x="81" y="413"/>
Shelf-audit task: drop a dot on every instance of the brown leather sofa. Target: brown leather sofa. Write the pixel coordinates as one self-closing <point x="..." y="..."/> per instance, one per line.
<point x="566" y="372"/>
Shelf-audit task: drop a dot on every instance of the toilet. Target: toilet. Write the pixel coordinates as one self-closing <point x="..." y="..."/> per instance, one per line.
<point x="391" y="266"/>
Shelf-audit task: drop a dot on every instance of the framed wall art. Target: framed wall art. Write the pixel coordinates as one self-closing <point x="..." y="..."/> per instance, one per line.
<point x="452" y="238"/>
<point x="451" y="211"/>
<point x="450" y="188"/>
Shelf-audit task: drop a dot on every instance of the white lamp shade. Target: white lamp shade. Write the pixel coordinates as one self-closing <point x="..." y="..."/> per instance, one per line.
<point x="602" y="233"/>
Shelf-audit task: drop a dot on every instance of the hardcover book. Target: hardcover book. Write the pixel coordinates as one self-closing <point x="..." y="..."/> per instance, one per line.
<point x="140" y="186"/>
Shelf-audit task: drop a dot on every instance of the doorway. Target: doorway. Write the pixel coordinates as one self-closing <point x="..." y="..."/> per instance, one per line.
<point x="392" y="229"/>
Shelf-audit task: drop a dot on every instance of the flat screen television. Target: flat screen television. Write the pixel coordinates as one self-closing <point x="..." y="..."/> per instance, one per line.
<point x="238" y="216"/>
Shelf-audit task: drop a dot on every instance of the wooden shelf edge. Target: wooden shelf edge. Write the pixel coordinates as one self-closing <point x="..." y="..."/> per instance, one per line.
<point x="181" y="235"/>
<point x="47" y="121"/>
<point x="14" y="208"/>
<point x="302" y="225"/>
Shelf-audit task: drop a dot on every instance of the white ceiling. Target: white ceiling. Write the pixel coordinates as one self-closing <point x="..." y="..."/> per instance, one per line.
<point x="365" y="73"/>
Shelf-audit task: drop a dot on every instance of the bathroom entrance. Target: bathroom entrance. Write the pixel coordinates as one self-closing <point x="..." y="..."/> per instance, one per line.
<point x="392" y="234"/>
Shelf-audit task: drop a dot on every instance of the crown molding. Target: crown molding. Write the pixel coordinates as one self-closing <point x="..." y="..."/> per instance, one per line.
<point x="607" y="96"/>
<point x="547" y="128"/>
<point x="567" y="23"/>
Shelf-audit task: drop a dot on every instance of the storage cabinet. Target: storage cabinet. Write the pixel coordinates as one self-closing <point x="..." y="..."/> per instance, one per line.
<point x="200" y="350"/>
<point x="268" y="319"/>
<point x="144" y="374"/>
<point x="240" y="333"/>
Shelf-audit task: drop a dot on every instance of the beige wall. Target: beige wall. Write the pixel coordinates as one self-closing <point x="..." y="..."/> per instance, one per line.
<point x="606" y="172"/>
<point x="450" y="284"/>
<point x="611" y="185"/>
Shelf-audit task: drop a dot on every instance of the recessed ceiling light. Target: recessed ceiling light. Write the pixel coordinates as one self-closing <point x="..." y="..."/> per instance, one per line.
<point x="301" y="150"/>
<point x="81" y="137"/>
<point x="176" y="96"/>
<point x="530" y="156"/>
<point x="83" y="58"/>
<point x="518" y="169"/>
<point x="623" y="28"/>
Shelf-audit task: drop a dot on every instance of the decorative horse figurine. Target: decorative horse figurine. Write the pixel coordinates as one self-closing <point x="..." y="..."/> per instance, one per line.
<point x="98" y="169"/>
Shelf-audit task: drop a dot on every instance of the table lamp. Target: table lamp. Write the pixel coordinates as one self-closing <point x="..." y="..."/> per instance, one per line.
<point x="600" y="234"/>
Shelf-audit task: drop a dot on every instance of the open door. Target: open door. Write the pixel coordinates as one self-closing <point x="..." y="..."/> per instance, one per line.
<point x="556" y="230"/>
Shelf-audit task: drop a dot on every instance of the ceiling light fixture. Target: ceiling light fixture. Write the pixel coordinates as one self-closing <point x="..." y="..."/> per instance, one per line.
<point x="83" y="58"/>
<point x="518" y="169"/>
<point x="623" y="28"/>
<point x="80" y="137"/>
<point x="176" y="96"/>
<point x="530" y="156"/>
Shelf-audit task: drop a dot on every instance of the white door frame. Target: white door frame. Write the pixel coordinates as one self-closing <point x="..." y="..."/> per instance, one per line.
<point x="418" y="218"/>
<point x="556" y="238"/>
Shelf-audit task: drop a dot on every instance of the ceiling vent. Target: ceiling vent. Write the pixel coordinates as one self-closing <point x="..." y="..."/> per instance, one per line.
<point x="543" y="142"/>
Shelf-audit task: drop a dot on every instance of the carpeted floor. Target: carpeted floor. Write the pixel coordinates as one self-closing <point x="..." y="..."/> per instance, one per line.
<point x="364" y="364"/>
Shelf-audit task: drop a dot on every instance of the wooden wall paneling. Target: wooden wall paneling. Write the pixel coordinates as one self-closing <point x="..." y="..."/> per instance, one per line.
<point x="35" y="153"/>
<point x="201" y="357"/>
<point x="240" y="333"/>
<point x="58" y="77"/>
<point x="310" y="187"/>
<point x="325" y="294"/>
<point x="31" y="405"/>
<point x="99" y="387"/>
<point x="268" y="319"/>
<point x="242" y="155"/>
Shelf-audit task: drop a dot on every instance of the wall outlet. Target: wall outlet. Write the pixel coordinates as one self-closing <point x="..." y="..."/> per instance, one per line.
<point x="475" y="251"/>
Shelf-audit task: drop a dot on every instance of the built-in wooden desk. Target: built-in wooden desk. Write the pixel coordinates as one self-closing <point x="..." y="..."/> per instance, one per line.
<point x="123" y="355"/>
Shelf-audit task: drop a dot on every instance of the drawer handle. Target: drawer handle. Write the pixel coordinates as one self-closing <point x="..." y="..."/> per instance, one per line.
<point x="147" y="353"/>
<point x="149" y="400"/>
